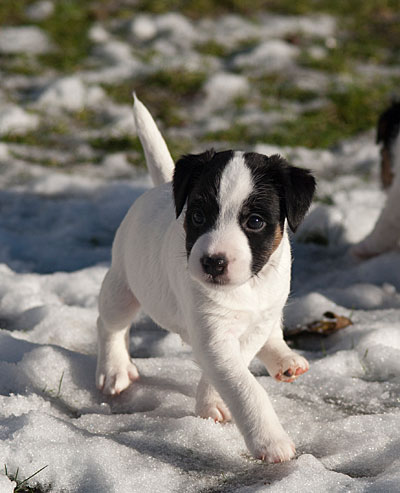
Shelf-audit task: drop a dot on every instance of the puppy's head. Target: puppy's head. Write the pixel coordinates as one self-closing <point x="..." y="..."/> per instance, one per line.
<point x="236" y="207"/>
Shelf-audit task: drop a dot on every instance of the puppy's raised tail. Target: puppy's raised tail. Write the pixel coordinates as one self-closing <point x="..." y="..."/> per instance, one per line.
<point x="158" y="158"/>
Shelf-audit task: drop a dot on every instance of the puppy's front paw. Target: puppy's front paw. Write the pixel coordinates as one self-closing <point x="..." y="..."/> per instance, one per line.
<point x="273" y="450"/>
<point x="288" y="368"/>
<point x="218" y="411"/>
<point x="113" y="379"/>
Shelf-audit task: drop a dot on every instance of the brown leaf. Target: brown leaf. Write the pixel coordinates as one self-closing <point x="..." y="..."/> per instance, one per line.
<point x="330" y="324"/>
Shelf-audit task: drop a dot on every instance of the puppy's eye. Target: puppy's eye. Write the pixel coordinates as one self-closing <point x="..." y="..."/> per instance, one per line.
<point x="198" y="218"/>
<point x="255" y="222"/>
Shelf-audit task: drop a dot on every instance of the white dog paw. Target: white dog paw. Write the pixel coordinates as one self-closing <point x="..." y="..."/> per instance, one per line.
<point x="218" y="411"/>
<point x="288" y="368"/>
<point x="276" y="450"/>
<point x="112" y="381"/>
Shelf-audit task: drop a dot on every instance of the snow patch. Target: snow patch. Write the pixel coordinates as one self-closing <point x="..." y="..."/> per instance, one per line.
<point x="15" y="120"/>
<point x="24" y="39"/>
<point x="269" y="56"/>
<point x="69" y="93"/>
<point x="40" y="11"/>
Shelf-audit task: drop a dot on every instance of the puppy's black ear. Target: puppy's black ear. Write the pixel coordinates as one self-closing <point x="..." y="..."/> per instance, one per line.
<point x="299" y="187"/>
<point x="187" y="171"/>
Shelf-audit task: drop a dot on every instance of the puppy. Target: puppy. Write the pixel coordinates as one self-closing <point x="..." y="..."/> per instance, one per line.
<point x="206" y="254"/>
<point x="386" y="233"/>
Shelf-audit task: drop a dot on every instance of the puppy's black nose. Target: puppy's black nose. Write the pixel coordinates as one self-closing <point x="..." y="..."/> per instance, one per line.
<point x="214" y="265"/>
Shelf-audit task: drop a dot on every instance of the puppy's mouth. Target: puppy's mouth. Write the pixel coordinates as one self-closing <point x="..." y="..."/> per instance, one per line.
<point x="216" y="280"/>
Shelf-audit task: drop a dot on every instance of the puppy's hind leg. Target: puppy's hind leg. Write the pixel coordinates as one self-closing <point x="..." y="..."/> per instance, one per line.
<point x="117" y="309"/>
<point x="209" y="403"/>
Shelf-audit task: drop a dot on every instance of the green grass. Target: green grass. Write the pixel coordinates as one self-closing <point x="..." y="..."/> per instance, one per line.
<point x="237" y="133"/>
<point x="199" y="8"/>
<point x="212" y="48"/>
<point x="21" y="64"/>
<point x="57" y="131"/>
<point x="12" y="12"/>
<point x="132" y="146"/>
<point x="22" y="484"/>
<point x="351" y="109"/>
<point x="370" y="25"/>
<point x="280" y="87"/>
<point x="68" y="28"/>
<point x="367" y="31"/>
<point x="116" y="144"/>
<point x="165" y="92"/>
<point x="334" y="61"/>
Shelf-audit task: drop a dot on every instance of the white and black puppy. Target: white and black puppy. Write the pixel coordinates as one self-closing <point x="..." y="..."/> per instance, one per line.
<point x="385" y="235"/>
<point x="206" y="254"/>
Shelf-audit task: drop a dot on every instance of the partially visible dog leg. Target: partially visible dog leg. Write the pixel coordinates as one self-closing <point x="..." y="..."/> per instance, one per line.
<point x="281" y="362"/>
<point x="209" y="403"/>
<point x="117" y="308"/>
<point x="223" y="364"/>
<point x="386" y="233"/>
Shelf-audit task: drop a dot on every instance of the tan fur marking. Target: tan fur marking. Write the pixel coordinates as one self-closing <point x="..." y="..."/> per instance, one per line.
<point x="277" y="238"/>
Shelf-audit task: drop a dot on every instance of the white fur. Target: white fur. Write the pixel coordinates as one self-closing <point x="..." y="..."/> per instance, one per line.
<point x="226" y="327"/>
<point x="227" y="237"/>
<point x="158" y="158"/>
<point x="386" y="233"/>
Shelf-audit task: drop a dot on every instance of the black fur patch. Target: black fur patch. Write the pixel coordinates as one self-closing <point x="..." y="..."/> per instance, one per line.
<point x="280" y="191"/>
<point x="196" y="180"/>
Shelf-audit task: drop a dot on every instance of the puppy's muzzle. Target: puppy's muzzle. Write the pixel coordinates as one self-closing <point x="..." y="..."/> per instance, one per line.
<point x="214" y="265"/>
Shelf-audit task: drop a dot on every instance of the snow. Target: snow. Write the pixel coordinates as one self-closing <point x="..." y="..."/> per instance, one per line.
<point x="112" y="59"/>
<point x="24" y="39"/>
<point x="220" y="90"/>
<point x="343" y="414"/>
<point x="15" y="120"/>
<point x="269" y="56"/>
<point x="39" y="11"/>
<point x="56" y="230"/>
<point x="69" y="93"/>
<point x="143" y="28"/>
<point x="6" y="485"/>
